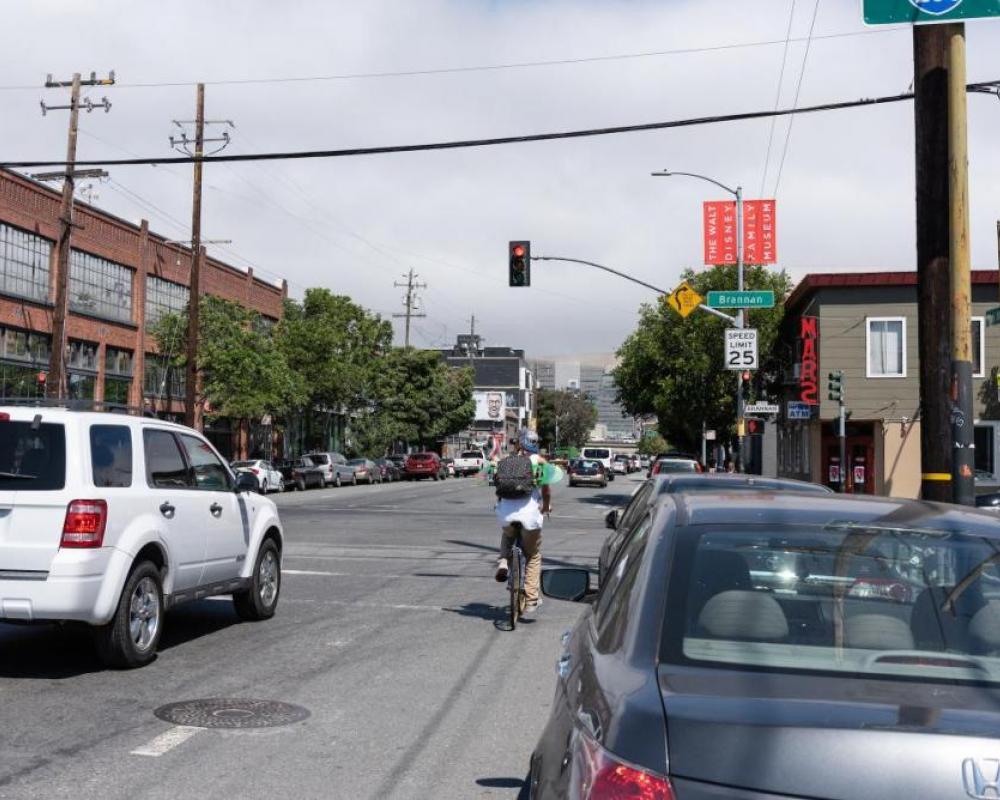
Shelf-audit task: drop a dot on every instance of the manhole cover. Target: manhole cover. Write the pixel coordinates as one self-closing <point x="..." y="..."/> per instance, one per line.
<point x="230" y="713"/>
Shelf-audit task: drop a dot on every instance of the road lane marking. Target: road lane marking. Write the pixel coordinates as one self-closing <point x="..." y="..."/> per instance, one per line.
<point x="167" y="741"/>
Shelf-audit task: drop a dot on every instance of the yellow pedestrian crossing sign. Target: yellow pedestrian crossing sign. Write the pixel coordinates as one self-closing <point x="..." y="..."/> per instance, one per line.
<point x="684" y="299"/>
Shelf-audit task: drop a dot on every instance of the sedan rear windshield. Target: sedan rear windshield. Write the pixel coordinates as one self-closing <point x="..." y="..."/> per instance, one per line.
<point x="421" y="457"/>
<point x="672" y="465"/>
<point x="850" y="599"/>
<point x="32" y="458"/>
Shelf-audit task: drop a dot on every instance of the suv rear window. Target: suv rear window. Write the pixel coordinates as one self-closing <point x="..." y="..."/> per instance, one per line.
<point x="111" y="455"/>
<point x="472" y="454"/>
<point x="32" y="460"/>
<point x="598" y="453"/>
<point x="319" y="458"/>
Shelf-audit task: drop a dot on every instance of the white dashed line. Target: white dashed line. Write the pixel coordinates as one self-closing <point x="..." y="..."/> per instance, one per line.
<point x="166" y="742"/>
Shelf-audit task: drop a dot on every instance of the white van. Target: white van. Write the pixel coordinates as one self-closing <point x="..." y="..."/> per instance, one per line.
<point x="602" y="454"/>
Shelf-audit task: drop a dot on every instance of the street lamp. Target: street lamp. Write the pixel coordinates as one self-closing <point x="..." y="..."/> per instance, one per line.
<point x="738" y="194"/>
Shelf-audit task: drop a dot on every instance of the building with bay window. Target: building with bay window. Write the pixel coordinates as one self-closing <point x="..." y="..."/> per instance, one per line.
<point x="122" y="279"/>
<point x="865" y="325"/>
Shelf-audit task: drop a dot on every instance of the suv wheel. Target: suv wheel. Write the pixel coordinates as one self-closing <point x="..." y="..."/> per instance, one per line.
<point x="261" y="599"/>
<point x="130" y="639"/>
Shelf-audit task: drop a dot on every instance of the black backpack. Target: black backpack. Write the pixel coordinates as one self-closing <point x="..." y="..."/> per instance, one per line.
<point x="515" y="477"/>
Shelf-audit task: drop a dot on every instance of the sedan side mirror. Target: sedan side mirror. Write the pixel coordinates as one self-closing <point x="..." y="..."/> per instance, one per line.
<point x="566" y="583"/>
<point x="611" y="519"/>
<point x="246" y="482"/>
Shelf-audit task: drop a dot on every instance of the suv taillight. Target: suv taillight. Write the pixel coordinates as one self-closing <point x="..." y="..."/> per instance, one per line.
<point x="84" y="523"/>
<point x="598" y="775"/>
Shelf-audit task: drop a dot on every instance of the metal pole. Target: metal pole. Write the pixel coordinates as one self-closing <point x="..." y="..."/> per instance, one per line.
<point x="963" y="457"/>
<point x="704" y="446"/>
<point x="56" y="385"/>
<point x="739" y="324"/>
<point x="842" y="434"/>
<point x="192" y="415"/>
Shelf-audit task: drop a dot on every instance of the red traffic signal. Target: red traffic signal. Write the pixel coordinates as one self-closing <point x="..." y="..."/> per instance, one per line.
<point x="519" y="263"/>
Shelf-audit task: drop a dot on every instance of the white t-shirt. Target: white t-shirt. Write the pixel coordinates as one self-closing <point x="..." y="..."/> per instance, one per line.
<point x="526" y="510"/>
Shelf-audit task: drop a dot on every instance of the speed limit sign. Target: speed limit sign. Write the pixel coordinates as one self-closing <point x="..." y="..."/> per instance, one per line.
<point x="741" y="348"/>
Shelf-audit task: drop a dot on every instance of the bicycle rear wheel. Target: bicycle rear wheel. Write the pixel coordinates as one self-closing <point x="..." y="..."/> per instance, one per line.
<point x="516" y="589"/>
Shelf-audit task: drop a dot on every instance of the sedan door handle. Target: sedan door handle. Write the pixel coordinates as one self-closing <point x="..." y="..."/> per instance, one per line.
<point x="167" y="510"/>
<point x="216" y="509"/>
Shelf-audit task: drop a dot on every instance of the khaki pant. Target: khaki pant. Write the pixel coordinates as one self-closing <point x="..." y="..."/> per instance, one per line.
<point x="531" y="544"/>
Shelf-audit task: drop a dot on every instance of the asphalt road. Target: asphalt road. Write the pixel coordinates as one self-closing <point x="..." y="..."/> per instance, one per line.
<point x="390" y="631"/>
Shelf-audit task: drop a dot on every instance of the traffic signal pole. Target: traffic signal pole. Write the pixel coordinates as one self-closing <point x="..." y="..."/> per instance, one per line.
<point x="740" y="421"/>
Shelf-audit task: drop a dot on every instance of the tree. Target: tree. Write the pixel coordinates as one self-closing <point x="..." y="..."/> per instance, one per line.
<point x="415" y="398"/>
<point x="576" y="417"/>
<point x="673" y="367"/>
<point x="652" y="444"/>
<point x="336" y="345"/>
<point x="244" y="374"/>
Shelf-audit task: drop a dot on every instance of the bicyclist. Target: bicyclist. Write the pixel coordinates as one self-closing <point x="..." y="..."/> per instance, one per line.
<point x="524" y="505"/>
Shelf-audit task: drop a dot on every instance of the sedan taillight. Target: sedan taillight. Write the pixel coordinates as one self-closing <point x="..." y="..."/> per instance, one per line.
<point x="598" y="775"/>
<point x="84" y="523"/>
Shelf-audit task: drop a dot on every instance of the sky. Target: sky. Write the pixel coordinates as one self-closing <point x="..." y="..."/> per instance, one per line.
<point x="843" y="180"/>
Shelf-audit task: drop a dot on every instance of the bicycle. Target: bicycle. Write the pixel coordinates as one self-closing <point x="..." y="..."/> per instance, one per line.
<point x="515" y="577"/>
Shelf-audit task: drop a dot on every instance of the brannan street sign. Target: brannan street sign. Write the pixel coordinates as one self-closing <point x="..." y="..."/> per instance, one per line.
<point x="891" y="12"/>
<point x="738" y="299"/>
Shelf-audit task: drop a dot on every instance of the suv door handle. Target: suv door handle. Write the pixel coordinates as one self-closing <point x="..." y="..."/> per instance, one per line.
<point x="167" y="510"/>
<point x="216" y="509"/>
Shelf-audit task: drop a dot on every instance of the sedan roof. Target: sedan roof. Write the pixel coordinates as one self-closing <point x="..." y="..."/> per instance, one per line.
<point x="721" y="481"/>
<point x="789" y="508"/>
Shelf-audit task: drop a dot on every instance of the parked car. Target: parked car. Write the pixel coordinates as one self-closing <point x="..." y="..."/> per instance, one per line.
<point x="424" y="465"/>
<point x="622" y="522"/>
<point x="449" y="466"/>
<point x="109" y="520"/>
<point x="302" y="473"/>
<point x="389" y="468"/>
<point x="399" y="461"/>
<point x="621" y="464"/>
<point x="690" y="676"/>
<point x="336" y="470"/>
<point x="674" y="462"/>
<point x="365" y="470"/>
<point x="269" y="478"/>
<point x="583" y="471"/>
<point x="469" y="462"/>
<point x="602" y="454"/>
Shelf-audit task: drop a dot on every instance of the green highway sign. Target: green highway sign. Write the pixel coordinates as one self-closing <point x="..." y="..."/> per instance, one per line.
<point x="737" y="299"/>
<point x="993" y="316"/>
<point x="891" y="12"/>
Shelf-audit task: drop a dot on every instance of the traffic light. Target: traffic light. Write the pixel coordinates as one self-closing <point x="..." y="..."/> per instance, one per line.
<point x="519" y="263"/>
<point x="746" y="379"/>
<point x="755" y="426"/>
<point x="836" y="386"/>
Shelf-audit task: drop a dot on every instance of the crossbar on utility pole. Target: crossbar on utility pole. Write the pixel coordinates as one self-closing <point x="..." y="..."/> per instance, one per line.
<point x="409" y="301"/>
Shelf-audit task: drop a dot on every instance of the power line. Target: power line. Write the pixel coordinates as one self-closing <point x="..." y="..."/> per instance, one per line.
<point x="777" y="97"/>
<point x="795" y="101"/>
<point x="489" y="142"/>
<point x="485" y="67"/>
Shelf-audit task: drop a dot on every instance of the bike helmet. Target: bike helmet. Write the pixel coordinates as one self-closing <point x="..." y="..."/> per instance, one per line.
<point x="529" y="440"/>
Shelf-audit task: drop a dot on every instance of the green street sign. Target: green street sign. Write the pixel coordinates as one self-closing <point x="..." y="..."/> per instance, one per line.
<point x="891" y="12"/>
<point x="993" y="316"/>
<point x="737" y="299"/>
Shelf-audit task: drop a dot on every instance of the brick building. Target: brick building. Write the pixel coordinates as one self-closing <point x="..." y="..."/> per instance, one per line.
<point x="122" y="279"/>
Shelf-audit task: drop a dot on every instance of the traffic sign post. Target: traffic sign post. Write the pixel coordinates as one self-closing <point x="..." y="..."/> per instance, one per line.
<point x="741" y="349"/>
<point x="737" y="299"/>
<point x="893" y="12"/>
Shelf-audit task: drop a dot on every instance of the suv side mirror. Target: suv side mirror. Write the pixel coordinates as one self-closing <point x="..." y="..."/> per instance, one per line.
<point x="566" y="583"/>
<point x="245" y="482"/>
<point x="611" y="519"/>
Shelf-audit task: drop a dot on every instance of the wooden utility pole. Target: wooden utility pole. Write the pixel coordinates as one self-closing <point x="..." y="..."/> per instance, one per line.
<point x="56" y="383"/>
<point x="963" y="442"/>
<point x="930" y="88"/>
<point x="192" y="411"/>
<point x="409" y="301"/>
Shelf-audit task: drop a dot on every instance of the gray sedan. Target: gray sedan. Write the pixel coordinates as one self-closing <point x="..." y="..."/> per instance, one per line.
<point x="759" y="646"/>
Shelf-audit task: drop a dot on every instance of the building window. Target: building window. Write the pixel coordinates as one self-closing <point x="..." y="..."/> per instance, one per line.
<point x="164" y="297"/>
<point x="24" y="264"/>
<point x="886" y="338"/>
<point x="81" y="370"/>
<point x="100" y="287"/>
<point x="985" y="437"/>
<point x="161" y="379"/>
<point x="18" y="345"/>
<point x="978" y="347"/>
<point x="117" y="375"/>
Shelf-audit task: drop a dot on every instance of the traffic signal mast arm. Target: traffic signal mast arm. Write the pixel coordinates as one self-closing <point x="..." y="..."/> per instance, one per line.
<point x="701" y="306"/>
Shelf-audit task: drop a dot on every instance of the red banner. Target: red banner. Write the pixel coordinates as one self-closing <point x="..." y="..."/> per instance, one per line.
<point x="759" y="232"/>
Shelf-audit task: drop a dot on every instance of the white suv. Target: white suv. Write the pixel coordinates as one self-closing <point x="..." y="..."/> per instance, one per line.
<point x="111" y="520"/>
